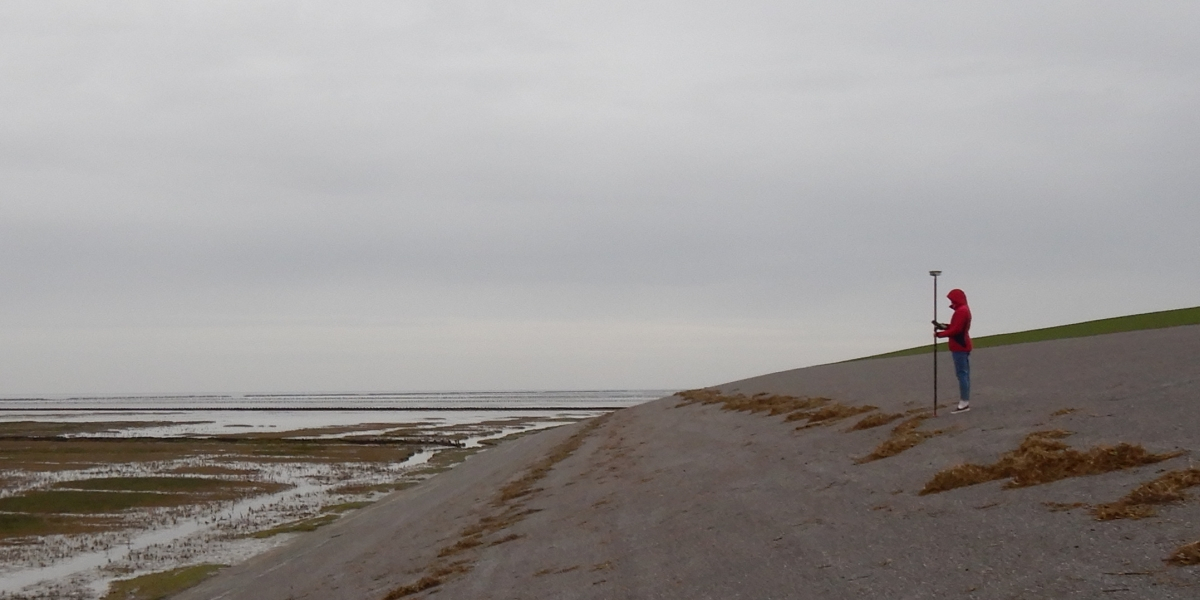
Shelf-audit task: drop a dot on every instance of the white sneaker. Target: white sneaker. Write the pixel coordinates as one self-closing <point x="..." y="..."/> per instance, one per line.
<point x="962" y="408"/>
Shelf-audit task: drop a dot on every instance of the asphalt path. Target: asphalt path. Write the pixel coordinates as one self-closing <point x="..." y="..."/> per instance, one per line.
<point x="694" y="502"/>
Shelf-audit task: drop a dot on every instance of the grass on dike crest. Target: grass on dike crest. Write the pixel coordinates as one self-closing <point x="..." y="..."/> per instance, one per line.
<point x="1154" y="320"/>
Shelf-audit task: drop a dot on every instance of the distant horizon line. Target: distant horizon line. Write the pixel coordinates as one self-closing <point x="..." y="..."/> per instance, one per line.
<point x="321" y="394"/>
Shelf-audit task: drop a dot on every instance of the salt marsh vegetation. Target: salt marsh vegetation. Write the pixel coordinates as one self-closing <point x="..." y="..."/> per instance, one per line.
<point x="86" y="505"/>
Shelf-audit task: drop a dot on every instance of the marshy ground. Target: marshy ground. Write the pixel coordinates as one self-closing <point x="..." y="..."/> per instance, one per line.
<point x="98" y="510"/>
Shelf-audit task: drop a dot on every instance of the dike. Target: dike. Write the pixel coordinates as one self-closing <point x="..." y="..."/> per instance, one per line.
<point x="1071" y="477"/>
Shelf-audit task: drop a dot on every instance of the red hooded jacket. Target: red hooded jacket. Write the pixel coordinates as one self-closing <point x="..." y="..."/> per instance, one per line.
<point x="960" y="324"/>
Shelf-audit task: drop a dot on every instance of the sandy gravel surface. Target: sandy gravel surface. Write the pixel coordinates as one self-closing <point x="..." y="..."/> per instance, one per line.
<point x="662" y="501"/>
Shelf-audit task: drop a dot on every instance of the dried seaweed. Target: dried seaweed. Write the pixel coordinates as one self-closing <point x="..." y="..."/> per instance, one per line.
<point x="436" y="577"/>
<point x="817" y="411"/>
<point x="1188" y="554"/>
<point x="875" y="420"/>
<point x="772" y="404"/>
<point x="904" y="436"/>
<point x="1139" y="504"/>
<point x="1063" y="506"/>
<point x="1041" y="458"/>
<point x="829" y="414"/>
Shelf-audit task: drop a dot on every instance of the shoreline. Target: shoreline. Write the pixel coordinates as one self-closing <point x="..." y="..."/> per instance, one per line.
<point x="676" y="499"/>
<point x="560" y="409"/>
<point x="319" y="487"/>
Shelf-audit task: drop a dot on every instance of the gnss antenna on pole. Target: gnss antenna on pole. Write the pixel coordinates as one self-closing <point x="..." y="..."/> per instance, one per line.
<point x="935" y="305"/>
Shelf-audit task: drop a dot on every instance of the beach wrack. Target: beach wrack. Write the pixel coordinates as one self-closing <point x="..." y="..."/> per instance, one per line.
<point x="904" y="436"/>
<point x="819" y="412"/>
<point x="508" y="507"/>
<point x="1139" y="503"/>
<point x="1041" y="458"/>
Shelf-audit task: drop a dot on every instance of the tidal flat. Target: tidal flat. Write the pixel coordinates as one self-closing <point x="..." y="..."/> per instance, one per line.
<point x="86" y="507"/>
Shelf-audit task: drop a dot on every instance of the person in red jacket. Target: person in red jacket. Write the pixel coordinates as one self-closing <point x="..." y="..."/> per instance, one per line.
<point x="959" y="334"/>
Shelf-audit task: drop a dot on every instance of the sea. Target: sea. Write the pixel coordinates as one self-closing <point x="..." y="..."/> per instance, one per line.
<point x="201" y="414"/>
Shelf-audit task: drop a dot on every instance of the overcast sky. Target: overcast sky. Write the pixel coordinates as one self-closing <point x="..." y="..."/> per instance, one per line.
<point x="243" y="196"/>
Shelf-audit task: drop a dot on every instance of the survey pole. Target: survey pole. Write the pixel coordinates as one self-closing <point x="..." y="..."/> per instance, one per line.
<point x="935" y="341"/>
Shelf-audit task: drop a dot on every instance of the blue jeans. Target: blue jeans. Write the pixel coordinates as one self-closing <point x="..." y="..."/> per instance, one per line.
<point x="962" y="368"/>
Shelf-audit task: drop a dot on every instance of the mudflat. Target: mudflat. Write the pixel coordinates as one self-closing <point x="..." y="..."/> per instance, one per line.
<point x="718" y="498"/>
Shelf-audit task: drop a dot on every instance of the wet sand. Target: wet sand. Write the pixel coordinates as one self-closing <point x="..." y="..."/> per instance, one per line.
<point x="671" y="501"/>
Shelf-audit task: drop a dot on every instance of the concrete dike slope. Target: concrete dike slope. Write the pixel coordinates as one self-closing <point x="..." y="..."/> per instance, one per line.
<point x="1071" y="478"/>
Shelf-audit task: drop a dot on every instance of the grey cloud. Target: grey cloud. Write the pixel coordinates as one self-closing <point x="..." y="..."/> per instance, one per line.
<point x="739" y="166"/>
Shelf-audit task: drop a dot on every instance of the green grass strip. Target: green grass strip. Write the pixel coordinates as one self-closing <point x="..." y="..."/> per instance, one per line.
<point x="1154" y="320"/>
<point x="346" y="506"/>
<point x="73" y="502"/>
<point x="302" y="526"/>
<point x="147" y="484"/>
<point x="157" y="586"/>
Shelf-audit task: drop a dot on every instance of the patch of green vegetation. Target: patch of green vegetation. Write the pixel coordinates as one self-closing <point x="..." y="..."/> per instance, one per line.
<point x="346" y="506"/>
<point x="211" y="470"/>
<point x="1154" y="320"/>
<point x="512" y="436"/>
<point x="105" y="500"/>
<point x="25" y="525"/>
<point x="303" y="525"/>
<point x="157" y="586"/>
<point x="368" y="488"/>
<point x="445" y="460"/>
<point x="55" y="454"/>
<point x="310" y="432"/>
<point x="511" y="422"/>
<point x="15" y="525"/>
<point x="57" y="428"/>
<point x="58" y="454"/>
<point x="72" y="502"/>
<point x="324" y="451"/>
<point x="147" y="484"/>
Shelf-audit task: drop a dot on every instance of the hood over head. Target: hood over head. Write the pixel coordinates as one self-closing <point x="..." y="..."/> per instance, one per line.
<point x="957" y="298"/>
